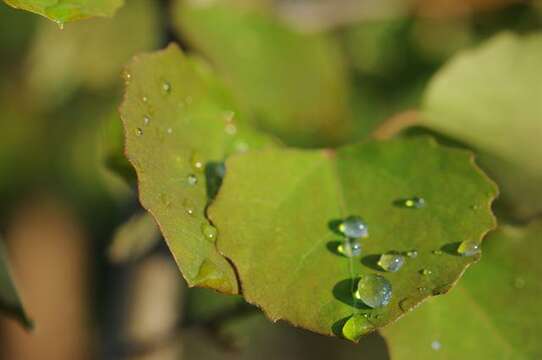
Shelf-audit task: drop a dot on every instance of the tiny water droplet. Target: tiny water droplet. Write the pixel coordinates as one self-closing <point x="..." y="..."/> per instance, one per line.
<point x="166" y="87"/>
<point x="437" y="252"/>
<point x="146" y="120"/>
<point x="169" y="130"/>
<point x="426" y="272"/>
<point x="139" y="131"/>
<point x="468" y="248"/>
<point x="412" y="253"/>
<point x="197" y="162"/>
<point x="192" y="179"/>
<point x="422" y="289"/>
<point x="436" y="345"/>
<point x="414" y="202"/>
<point x="519" y="283"/>
<point x="391" y="262"/>
<point x="209" y="231"/>
<point x="350" y="248"/>
<point x="354" y="227"/>
<point x="374" y="290"/>
<point x="230" y="129"/>
<point x="144" y="99"/>
<point x="355" y="327"/>
<point x="60" y="24"/>
<point x="189" y="207"/>
<point x="475" y="207"/>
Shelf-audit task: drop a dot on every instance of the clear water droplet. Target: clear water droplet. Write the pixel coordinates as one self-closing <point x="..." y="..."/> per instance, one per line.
<point x="139" y="131"/>
<point x="475" y="207"/>
<point x="197" y="162"/>
<point x="374" y="290"/>
<point x="350" y="248"/>
<point x="437" y="252"/>
<point x="354" y="227"/>
<point x="166" y="87"/>
<point x="145" y="99"/>
<point x="189" y="207"/>
<point x="146" y="120"/>
<point x="355" y="327"/>
<point x="169" y="130"/>
<point x="60" y="24"/>
<point x="422" y="289"/>
<point x="412" y="254"/>
<point x="414" y="202"/>
<point x="426" y="272"/>
<point x="391" y="262"/>
<point x="468" y="248"/>
<point x="436" y="345"/>
<point x="209" y="231"/>
<point x="192" y="179"/>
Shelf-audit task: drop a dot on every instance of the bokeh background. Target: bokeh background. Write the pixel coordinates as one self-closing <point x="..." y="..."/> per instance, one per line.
<point x="62" y="202"/>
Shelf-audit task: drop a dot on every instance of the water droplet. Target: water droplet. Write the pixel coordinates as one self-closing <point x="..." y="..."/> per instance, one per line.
<point x="391" y="262"/>
<point x="355" y="327"/>
<point x="166" y="87"/>
<point x="519" y="283"/>
<point x="475" y="207"/>
<point x="189" y="207"/>
<point x="350" y="248"/>
<point x="192" y="179"/>
<point x="230" y="129"/>
<point x="146" y="120"/>
<point x="408" y="303"/>
<point x="209" y="231"/>
<point x="436" y="345"/>
<point x="169" y="130"/>
<point x="422" y="289"/>
<point x="144" y="99"/>
<point x="412" y="253"/>
<point x="468" y="248"/>
<point x="374" y="290"/>
<point x="426" y="272"/>
<point x="437" y="252"/>
<point x="414" y="202"/>
<point x="139" y="131"/>
<point x="354" y="227"/>
<point x="197" y="162"/>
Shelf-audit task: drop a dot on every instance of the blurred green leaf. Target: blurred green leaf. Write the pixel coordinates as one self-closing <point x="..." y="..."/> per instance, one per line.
<point x="292" y="84"/>
<point x="68" y="10"/>
<point x="10" y="301"/>
<point x="180" y="124"/>
<point x="493" y="313"/>
<point x="490" y="98"/>
<point x="90" y="53"/>
<point x="276" y="209"/>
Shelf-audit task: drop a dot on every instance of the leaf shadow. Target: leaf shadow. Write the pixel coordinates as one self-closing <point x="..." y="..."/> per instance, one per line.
<point x="343" y="291"/>
<point x="451" y="248"/>
<point x="214" y="174"/>
<point x="371" y="261"/>
<point x="334" y="226"/>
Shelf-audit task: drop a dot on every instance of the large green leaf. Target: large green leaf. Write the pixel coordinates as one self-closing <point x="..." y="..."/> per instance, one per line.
<point x="491" y="98"/>
<point x="62" y="11"/>
<point x="276" y="209"/>
<point x="10" y="301"/>
<point x="180" y="124"/>
<point x="493" y="313"/>
<point x="294" y="84"/>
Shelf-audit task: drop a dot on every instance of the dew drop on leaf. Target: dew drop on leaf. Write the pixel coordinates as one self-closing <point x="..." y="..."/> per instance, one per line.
<point x="468" y="248"/>
<point x="189" y="206"/>
<point x="169" y="130"/>
<point x="197" y="162"/>
<point x="374" y="290"/>
<point x="208" y="231"/>
<point x="436" y="345"/>
<point x="139" y="131"/>
<point x="355" y="327"/>
<point x="146" y="120"/>
<point x="391" y="262"/>
<point x="166" y="87"/>
<point x="414" y="202"/>
<point x="350" y="248"/>
<point x="192" y="179"/>
<point x="437" y="252"/>
<point x="145" y="99"/>
<point x="426" y="272"/>
<point x="354" y="227"/>
<point x="412" y="253"/>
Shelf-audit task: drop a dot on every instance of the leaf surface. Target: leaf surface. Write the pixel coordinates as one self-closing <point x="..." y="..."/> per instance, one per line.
<point x="491" y="98"/>
<point x="180" y="124"/>
<point x="493" y="313"/>
<point x="62" y="11"/>
<point x="277" y="208"/>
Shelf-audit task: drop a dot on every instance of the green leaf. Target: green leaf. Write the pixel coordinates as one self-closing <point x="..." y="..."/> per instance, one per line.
<point x="482" y="92"/>
<point x="277" y="208"/>
<point x="293" y="84"/>
<point x="68" y="10"/>
<point x="493" y="313"/>
<point x="180" y="124"/>
<point x="10" y="302"/>
<point x="134" y="238"/>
